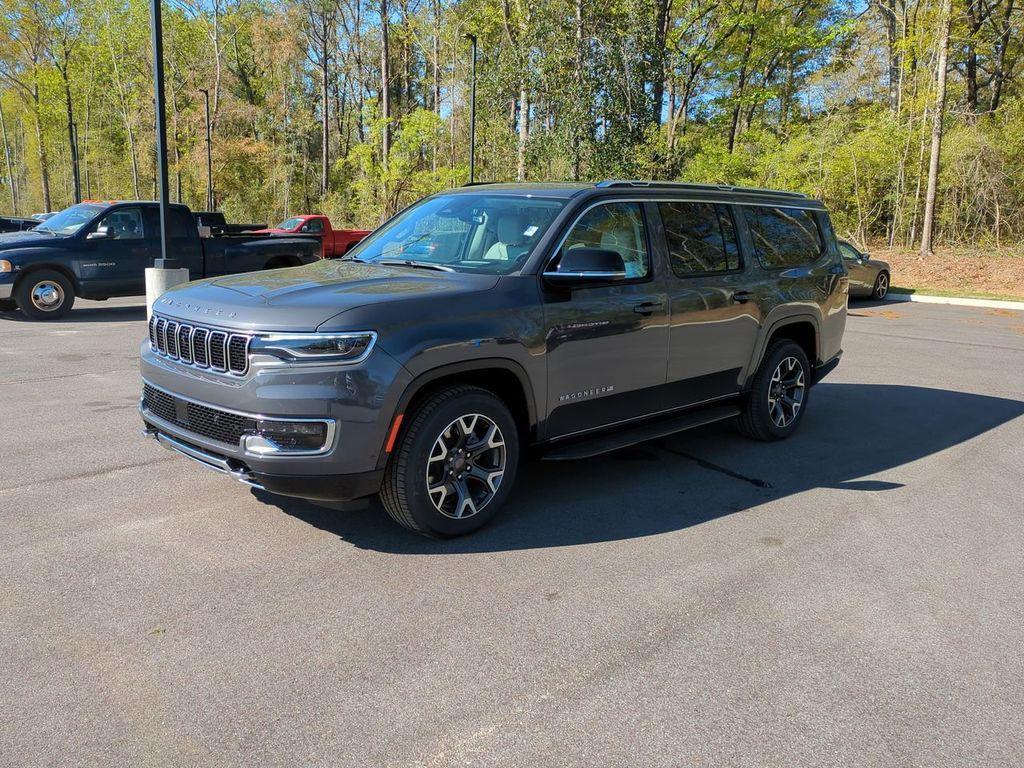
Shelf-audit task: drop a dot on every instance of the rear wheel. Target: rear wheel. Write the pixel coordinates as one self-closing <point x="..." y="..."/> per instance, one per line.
<point x="454" y="465"/>
<point x="881" y="287"/>
<point x="778" y="395"/>
<point x="45" y="295"/>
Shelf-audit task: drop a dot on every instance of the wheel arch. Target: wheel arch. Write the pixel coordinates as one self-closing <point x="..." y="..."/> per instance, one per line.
<point x="55" y="267"/>
<point x="804" y="329"/>
<point x="506" y="378"/>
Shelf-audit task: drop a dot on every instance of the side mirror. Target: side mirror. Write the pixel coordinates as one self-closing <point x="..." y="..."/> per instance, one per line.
<point x="587" y="266"/>
<point x="102" y="233"/>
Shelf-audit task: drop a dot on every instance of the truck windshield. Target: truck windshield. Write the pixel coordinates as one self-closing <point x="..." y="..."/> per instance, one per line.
<point x="291" y="223"/>
<point x="493" y="234"/>
<point x="72" y="219"/>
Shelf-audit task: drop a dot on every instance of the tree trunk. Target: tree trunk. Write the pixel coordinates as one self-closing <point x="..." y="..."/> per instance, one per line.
<point x="325" y="85"/>
<point x="524" y="131"/>
<point x="44" y="165"/>
<point x="385" y="78"/>
<point x="7" y="157"/>
<point x="928" y="226"/>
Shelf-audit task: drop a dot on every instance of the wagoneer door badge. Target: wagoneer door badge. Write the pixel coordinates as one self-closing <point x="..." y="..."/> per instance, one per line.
<point x="584" y="393"/>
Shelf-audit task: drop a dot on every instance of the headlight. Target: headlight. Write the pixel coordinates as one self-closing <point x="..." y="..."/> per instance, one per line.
<point x="316" y="347"/>
<point x="6" y="266"/>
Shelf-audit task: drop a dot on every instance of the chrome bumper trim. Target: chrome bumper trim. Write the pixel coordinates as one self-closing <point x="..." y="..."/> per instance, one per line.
<point x="208" y="460"/>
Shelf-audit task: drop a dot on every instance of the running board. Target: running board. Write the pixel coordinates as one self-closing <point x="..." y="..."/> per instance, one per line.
<point x="584" y="448"/>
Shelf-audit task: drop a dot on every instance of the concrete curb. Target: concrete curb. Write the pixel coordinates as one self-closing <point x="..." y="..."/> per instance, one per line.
<point x="957" y="301"/>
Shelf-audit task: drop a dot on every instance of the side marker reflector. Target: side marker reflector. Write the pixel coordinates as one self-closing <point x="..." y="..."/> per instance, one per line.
<point x="395" y="426"/>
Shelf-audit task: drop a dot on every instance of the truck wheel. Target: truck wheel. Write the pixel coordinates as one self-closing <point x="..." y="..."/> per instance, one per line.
<point x="45" y="295"/>
<point x="454" y="465"/>
<point x="778" y="396"/>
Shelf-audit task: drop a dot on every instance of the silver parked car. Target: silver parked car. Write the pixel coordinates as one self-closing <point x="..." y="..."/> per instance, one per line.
<point x="868" y="277"/>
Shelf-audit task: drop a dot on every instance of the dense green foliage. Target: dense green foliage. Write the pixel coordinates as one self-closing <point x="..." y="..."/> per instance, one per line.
<point x="833" y="98"/>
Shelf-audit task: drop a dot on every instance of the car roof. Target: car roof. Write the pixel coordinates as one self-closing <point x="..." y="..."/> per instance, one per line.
<point x="717" y="192"/>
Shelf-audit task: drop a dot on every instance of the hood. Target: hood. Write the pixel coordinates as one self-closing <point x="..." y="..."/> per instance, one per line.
<point x="28" y="237"/>
<point x="303" y="298"/>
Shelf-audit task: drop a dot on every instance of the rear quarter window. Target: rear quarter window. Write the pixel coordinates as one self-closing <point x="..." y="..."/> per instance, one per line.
<point x="783" y="237"/>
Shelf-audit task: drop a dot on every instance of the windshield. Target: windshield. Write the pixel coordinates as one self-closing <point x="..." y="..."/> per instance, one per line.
<point x="72" y="219"/>
<point x="291" y="223"/>
<point x="493" y="234"/>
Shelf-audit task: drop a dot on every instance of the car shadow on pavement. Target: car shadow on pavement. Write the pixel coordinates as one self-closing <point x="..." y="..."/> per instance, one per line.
<point x="851" y="432"/>
<point x="117" y="314"/>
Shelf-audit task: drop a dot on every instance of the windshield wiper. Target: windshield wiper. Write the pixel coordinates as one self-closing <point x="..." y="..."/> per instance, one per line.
<point x="411" y="263"/>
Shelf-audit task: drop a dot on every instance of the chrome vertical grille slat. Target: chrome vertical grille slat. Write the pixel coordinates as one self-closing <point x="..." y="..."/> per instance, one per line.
<point x="208" y="348"/>
<point x="172" y="339"/>
<point x="200" y="350"/>
<point x="185" y="343"/>
<point x="218" y="350"/>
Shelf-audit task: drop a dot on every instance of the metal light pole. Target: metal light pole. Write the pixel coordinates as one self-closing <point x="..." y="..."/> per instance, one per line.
<point x="472" y="112"/>
<point x="209" y="154"/>
<point x="161" y="120"/>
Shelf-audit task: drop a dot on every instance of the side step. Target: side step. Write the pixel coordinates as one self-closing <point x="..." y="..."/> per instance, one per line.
<point x="584" y="448"/>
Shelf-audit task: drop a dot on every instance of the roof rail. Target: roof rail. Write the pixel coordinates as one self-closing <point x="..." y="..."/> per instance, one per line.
<point x="697" y="187"/>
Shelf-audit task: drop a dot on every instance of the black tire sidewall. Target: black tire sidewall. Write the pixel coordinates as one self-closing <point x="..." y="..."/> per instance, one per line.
<point x="419" y="446"/>
<point x="776" y="355"/>
<point x="23" y="294"/>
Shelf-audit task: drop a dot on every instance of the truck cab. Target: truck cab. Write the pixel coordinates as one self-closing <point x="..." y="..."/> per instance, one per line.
<point x="336" y="242"/>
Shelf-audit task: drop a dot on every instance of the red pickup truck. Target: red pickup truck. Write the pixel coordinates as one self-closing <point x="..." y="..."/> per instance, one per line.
<point x="336" y="242"/>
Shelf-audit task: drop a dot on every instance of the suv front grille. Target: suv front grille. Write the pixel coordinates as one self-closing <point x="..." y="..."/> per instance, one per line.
<point x="200" y="346"/>
<point x="212" y="423"/>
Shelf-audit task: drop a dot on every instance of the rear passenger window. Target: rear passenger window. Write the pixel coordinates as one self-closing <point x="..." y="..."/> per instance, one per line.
<point x="701" y="238"/>
<point x="783" y="237"/>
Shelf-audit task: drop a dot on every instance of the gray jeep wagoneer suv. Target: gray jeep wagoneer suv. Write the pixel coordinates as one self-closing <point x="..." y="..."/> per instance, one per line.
<point x="572" y="318"/>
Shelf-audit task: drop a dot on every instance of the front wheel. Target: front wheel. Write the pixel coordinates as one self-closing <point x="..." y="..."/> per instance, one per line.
<point x="881" y="286"/>
<point x="454" y="465"/>
<point x="45" y="295"/>
<point x="778" y="395"/>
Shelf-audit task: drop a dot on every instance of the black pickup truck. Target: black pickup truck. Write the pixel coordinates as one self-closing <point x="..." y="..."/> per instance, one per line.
<point x="97" y="250"/>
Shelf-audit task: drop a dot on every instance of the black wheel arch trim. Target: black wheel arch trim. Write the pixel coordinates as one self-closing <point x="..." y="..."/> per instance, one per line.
<point x="769" y="333"/>
<point x="482" y="365"/>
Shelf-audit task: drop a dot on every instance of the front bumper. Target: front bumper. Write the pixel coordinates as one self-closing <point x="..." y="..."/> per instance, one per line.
<point x="319" y="488"/>
<point x="360" y="400"/>
<point x="6" y="290"/>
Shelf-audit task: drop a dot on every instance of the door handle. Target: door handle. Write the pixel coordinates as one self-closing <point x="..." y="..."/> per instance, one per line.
<point x="648" y="307"/>
<point x="741" y="297"/>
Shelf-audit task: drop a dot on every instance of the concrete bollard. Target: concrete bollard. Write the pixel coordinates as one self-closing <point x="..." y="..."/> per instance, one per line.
<point x="159" y="279"/>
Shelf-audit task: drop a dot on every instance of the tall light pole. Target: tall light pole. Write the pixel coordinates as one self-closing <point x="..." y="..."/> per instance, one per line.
<point x="472" y="111"/>
<point x="161" y="120"/>
<point x="209" y="153"/>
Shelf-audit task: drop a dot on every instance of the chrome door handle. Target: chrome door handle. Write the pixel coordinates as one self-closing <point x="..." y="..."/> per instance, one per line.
<point x="741" y="297"/>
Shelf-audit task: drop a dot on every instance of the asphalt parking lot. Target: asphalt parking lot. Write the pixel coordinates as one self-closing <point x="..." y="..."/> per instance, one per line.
<point x="851" y="597"/>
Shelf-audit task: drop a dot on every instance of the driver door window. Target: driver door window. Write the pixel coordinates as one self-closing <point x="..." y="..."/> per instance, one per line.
<point x="125" y="224"/>
<point x="314" y="227"/>
<point x="615" y="227"/>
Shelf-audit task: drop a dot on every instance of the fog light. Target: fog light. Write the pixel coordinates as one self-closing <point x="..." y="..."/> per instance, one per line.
<point x="289" y="437"/>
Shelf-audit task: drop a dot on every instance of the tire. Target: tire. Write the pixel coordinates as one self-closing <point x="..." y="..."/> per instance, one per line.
<point x="881" y="287"/>
<point x="429" y="452"/>
<point x="759" y="418"/>
<point x="45" y="294"/>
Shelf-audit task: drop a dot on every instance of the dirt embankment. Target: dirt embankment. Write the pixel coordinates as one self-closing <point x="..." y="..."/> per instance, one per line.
<point x="997" y="272"/>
